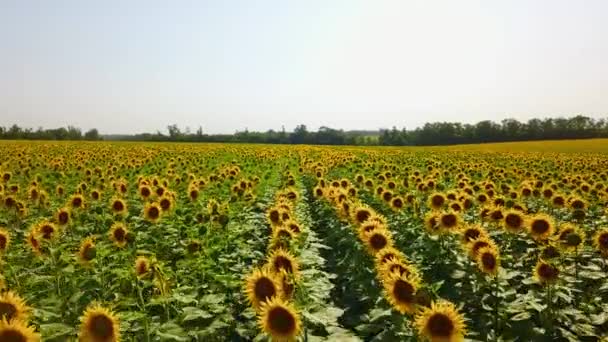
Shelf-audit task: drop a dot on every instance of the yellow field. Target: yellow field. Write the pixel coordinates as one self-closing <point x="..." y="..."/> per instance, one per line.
<point x="103" y="241"/>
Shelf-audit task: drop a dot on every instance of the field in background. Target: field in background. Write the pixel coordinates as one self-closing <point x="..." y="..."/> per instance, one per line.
<point x="209" y="242"/>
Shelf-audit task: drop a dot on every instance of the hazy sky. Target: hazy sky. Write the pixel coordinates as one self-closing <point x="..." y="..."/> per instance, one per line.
<point x="134" y="66"/>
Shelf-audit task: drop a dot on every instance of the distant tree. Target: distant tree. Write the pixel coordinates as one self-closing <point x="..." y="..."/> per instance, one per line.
<point x="92" y="134"/>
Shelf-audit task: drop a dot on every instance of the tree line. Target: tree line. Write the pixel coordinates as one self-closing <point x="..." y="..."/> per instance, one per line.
<point x="63" y="133"/>
<point x="436" y="133"/>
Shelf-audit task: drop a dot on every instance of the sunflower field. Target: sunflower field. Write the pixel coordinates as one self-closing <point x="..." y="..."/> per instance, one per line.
<point x="217" y="242"/>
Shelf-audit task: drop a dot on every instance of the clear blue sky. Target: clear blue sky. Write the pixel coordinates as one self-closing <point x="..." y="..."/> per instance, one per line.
<point x="135" y="66"/>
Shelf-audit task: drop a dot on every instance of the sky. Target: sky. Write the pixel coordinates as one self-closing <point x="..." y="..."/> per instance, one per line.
<point x="138" y="66"/>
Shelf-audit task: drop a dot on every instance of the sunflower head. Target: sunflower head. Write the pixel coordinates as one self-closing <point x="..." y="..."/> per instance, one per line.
<point x="142" y="266"/>
<point x="63" y="216"/>
<point x="152" y="212"/>
<point x="5" y="239"/>
<point x="514" y="221"/>
<point x="472" y="233"/>
<point x="281" y="260"/>
<point x="13" y="307"/>
<point x="540" y="227"/>
<point x="400" y="291"/>
<point x="600" y="241"/>
<point x="77" y="201"/>
<point x="118" y="234"/>
<point x="87" y="251"/>
<point x="488" y="260"/>
<point x="46" y="230"/>
<point x="17" y="331"/>
<point x="440" y="322"/>
<point x="99" y="324"/>
<point x="280" y="320"/>
<point x="436" y="200"/>
<point x="166" y="203"/>
<point x="476" y="245"/>
<point x="377" y="240"/>
<point x="449" y="220"/>
<point x="431" y="223"/>
<point x="261" y="286"/>
<point x="32" y="240"/>
<point x="118" y="206"/>
<point x="360" y="214"/>
<point x="545" y="272"/>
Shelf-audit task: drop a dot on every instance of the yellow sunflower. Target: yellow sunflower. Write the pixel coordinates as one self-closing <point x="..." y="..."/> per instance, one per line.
<point x="118" y="206"/>
<point x="541" y="226"/>
<point x="142" y="266"/>
<point x="280" y="320"/>
<point x="514" y="221"/>
<point x="440" y="323"/>
<point x="400" y="292"/>
<point x="152" y="212"/>
<point x="545" y="273"/>
<point x="488" y="260"/>
<point x="118" y="234"/>
<point x="99" y="324"/>
<point x="261" y="286"/>
<point x="87" y="251"/>
<point x="377" y="240"/>
<point x="5" y="240"/>
<point x="17" y="331"/>
<point x="63" y="216"/>
<point x="13" y="307"/>
<point x="281" y="259"/>
<point x="600" y="241"/>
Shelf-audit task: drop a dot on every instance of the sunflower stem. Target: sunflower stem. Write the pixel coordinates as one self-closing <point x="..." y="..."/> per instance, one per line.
<point x="496" y="304"/>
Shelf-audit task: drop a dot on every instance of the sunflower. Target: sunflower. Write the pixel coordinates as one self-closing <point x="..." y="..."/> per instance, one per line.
<point x="472" y="233"/>
<point x="33" y="242"/>
<point x="77" y="201"/>
<point x="368" y="227"/>
<point x="436" y="200"/>
<point x="440" y="323"/>
<point x="5" y="240"/>
<point x="386" y="254"/>
<point x="545" y="272"/>
<point x="118" y="206"/>
<point x="431" y="223"/>
<point x="261" y="286"/>
<point x="118" y="234"/>
<point x="293" y="226"/>
<point x="87" y="251"/>
<point x="166" y="203"/>
<point x="570" y="237"/>
<point x="476" y="245"/>
<point x="540" y="226"/>
<point x="280" y="320"/>
<point x="361" y="213"/>
<point x="377" y="240"/>
<point x="63" y="216"/>
<point x="142" y="266"/>
<point x="17" y="331"/>
<point x="281" y="259"/>
<point x="488" y="260"/>
<point x="449" y="221"/>
<point x="13" y="307"/>
<point x="99" y="324"/>
<point x="47" y="230"/>
<point x="274" y="216"/>
<point x="398" y="266"/>
<point x="397" y="203"/>
<point x="600" y="241"/>
<point x="513" y="221"/>
<point x="144" y="191"/>
<point x="152" y="212"/>
<point x="95" y="194"/>
<point x="400" y="292"/>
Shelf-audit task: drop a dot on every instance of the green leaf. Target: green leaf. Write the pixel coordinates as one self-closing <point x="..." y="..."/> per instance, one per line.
<point x="56" y="330"/>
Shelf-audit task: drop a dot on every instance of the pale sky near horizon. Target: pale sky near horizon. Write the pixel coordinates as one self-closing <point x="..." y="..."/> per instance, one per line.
<point x="137" y="66"/>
